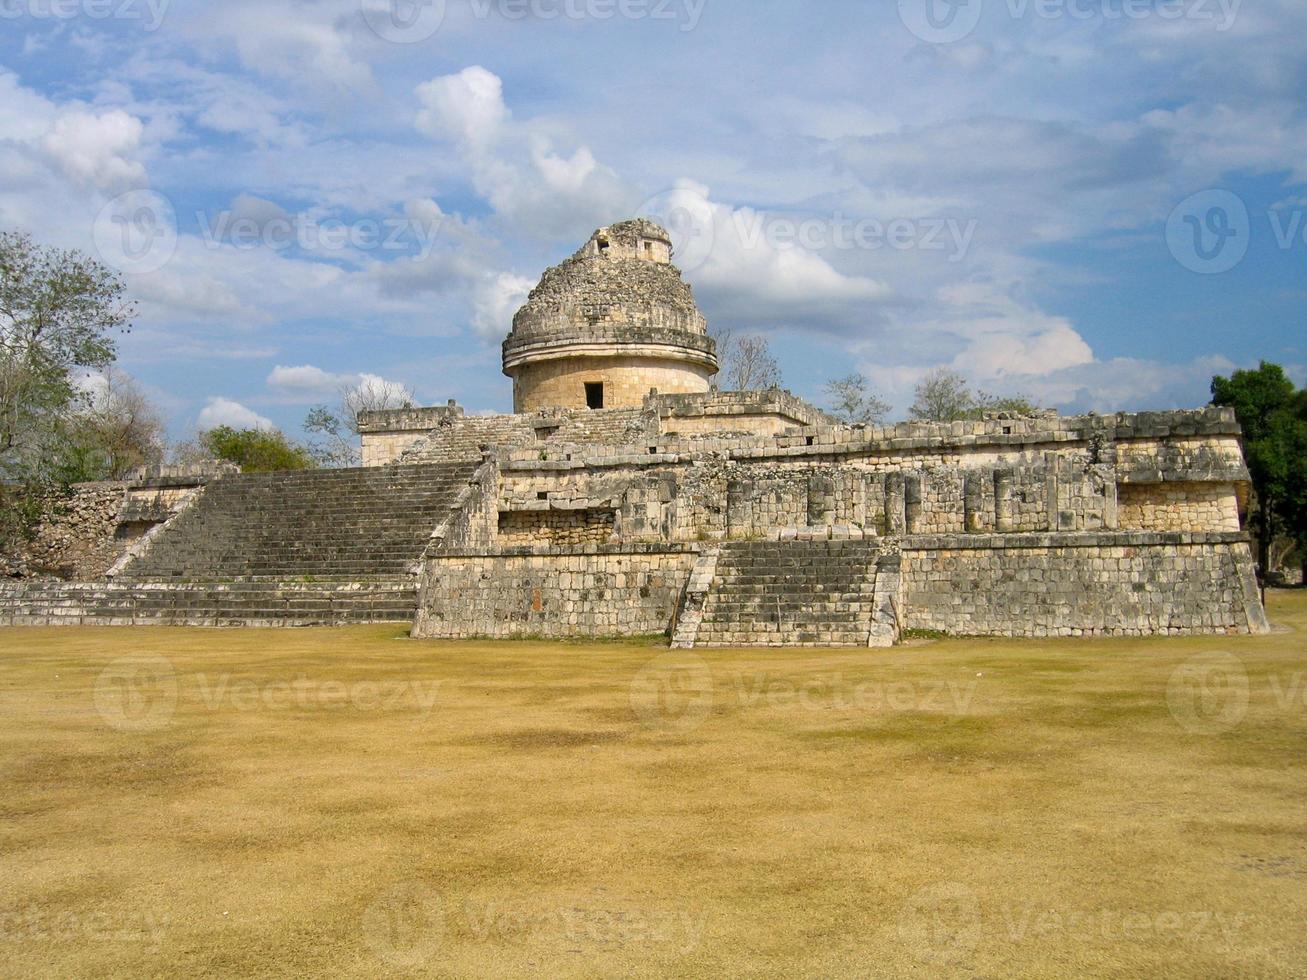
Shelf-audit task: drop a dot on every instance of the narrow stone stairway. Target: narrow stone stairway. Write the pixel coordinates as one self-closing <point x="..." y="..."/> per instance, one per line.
<point x="797" y="593"/>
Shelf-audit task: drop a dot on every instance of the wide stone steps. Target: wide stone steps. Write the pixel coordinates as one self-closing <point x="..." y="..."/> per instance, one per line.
<point x="342" y="523"/>
<point x="791" y="593"/>
<point x="208" y="603"/>
<point x="791" y="638"/>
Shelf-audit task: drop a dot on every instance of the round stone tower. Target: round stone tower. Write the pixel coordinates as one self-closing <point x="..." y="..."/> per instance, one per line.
<point x="609" y="324"/>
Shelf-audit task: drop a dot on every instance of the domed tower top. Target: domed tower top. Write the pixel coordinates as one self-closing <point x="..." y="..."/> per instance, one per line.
<point x="608" y="325"/>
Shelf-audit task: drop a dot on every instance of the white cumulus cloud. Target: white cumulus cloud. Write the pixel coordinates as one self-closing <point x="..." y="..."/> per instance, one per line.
<point x="97" y="151"/>
<point x="223" y="411"/>
<point x="467" y="106"/>
<point x="309" y="382"/>
<point x="494" y="301"/>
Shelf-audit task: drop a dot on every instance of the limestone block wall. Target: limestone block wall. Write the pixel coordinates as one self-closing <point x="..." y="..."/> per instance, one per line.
<point x="388" y="434"/>
<point x="588" y="592"/>
<point x="473" y="516"/>
<point x="456" y="440"/>
<point x="627" y="381"/>
<point x="1178" y="507"/>
<point x="749" y="413"/>
<point x="77" y="537"/>
<point x="556" y="528"/>
<point x="384" y="448"/>
<point x="1088" y="584"/>
<point x="1158" y="458"/>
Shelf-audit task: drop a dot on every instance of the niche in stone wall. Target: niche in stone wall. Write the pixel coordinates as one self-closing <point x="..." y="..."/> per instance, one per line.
<point x="556" y="528"/>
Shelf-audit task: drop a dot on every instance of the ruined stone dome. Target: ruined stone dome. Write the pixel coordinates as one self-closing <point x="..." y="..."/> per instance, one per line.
<point x="618" y="296"/>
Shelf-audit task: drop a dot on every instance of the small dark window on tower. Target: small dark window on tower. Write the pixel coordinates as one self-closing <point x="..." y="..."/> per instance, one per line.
<point x="648" y="249"/>
<point x="594" y="394"/>
<point x="603" y="245"/>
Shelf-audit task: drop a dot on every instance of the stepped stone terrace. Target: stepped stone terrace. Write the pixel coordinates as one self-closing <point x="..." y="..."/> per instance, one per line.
<point x="628" y="497"/>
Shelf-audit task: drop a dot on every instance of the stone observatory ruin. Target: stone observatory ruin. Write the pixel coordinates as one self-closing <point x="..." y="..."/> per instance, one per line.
<point x="625" y="495"/>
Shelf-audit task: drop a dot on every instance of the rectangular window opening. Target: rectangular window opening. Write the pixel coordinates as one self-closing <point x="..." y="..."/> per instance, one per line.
<point x="594" y="394"/>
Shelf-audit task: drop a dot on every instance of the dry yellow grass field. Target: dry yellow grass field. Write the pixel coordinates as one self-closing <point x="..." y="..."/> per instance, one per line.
<point x="353" y="803"/>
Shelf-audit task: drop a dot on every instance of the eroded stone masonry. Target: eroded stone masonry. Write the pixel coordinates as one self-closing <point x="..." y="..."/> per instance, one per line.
<point x="628" y="497"/>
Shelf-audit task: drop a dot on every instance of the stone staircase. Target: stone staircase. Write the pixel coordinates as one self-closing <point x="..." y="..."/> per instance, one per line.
<point x="818" y="593"/>
<point x="319" y="547"/>
<point x="347" y="525"/>
<point x="252" y="602"/>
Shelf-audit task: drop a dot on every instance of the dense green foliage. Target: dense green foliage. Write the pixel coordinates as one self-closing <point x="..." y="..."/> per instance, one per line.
<point x="1273" y="415"/>
<point x="945" y="396"/>
<point x="59" y="311"/>
<point x="255" y="450"/>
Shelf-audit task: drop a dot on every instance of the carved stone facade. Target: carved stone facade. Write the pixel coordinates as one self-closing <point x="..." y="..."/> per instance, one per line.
<point x="1097" y="525"/>
<point x="744" y="518"/>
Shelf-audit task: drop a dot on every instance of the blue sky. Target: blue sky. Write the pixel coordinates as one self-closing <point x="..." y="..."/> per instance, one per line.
<point x="1097" y="203"/>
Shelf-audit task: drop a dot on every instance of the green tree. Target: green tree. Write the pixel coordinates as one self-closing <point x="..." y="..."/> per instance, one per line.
<point x="1273" y="416"/>
<point x="1012" y="404"/>
<point x="335" y="432"/>
<point x="1292" y="489"/>
<point x="945" y="396"/>
<point x="117" y="430"/>
<point x="853" y="401"/>
<point x="254" y="450"/>
<point x="59" y="311"/>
